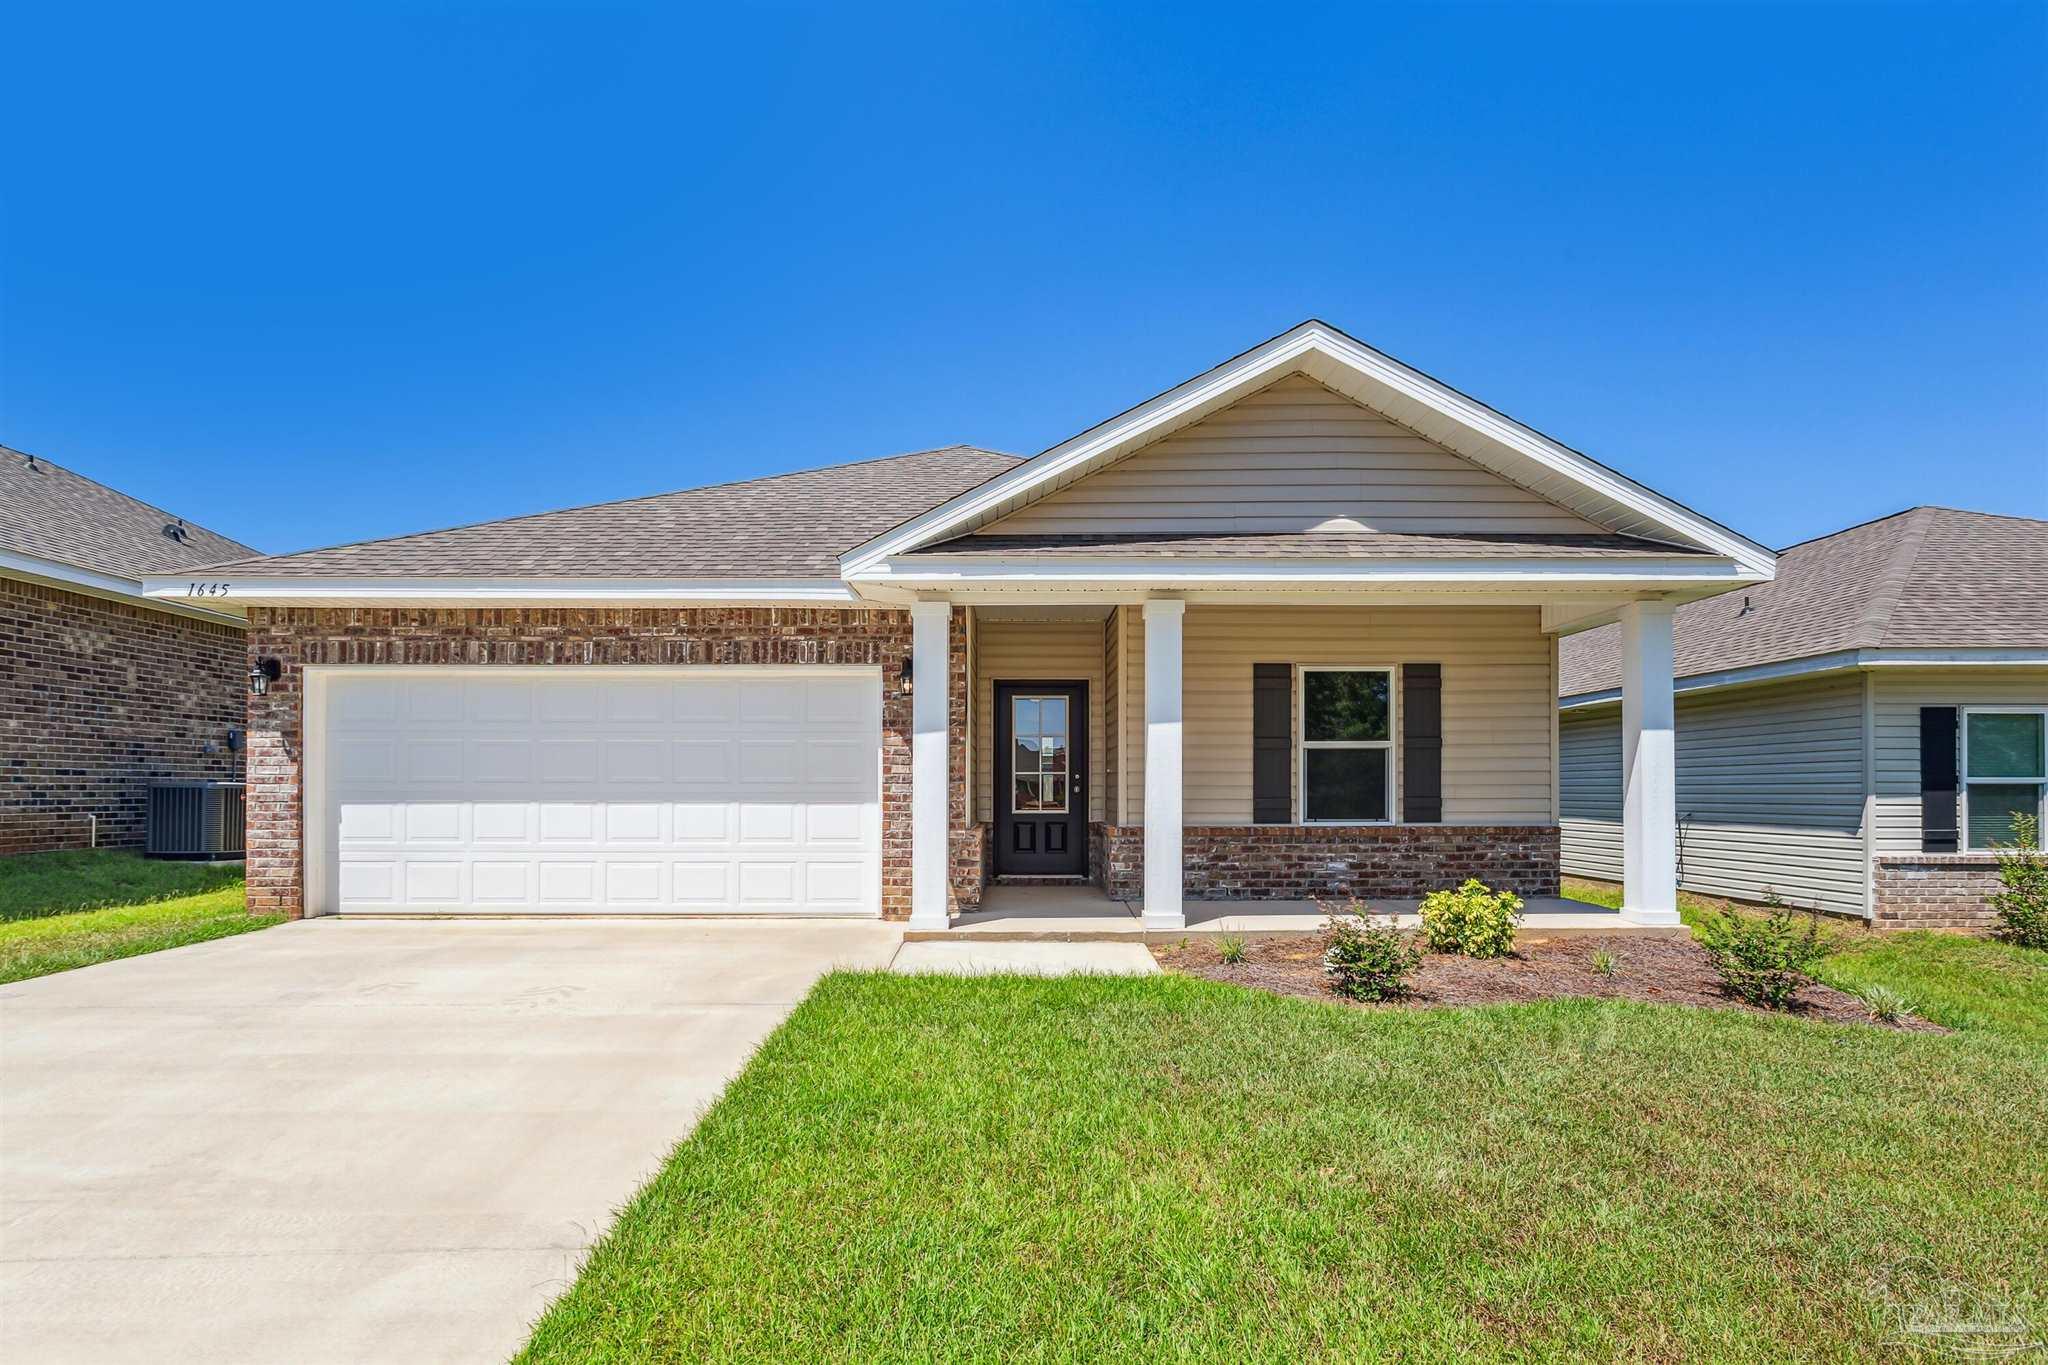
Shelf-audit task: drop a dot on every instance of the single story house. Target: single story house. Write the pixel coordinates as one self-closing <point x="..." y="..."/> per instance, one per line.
<point x="1854" y="736"/>
<point x="1287" y="629"/>
<point x="101" y="687"/>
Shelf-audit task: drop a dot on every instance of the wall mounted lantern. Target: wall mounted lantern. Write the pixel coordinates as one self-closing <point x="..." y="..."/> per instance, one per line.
<point x="262" y="674"/>
<point x="903" y="676"/>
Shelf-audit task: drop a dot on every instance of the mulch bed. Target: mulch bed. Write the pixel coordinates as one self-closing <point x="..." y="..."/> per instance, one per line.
<point x="1662" y="969"/>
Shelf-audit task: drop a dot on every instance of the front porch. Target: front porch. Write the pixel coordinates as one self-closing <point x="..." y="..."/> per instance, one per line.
<point x="1087" y="913"/>
<point x="1218" y="766"/>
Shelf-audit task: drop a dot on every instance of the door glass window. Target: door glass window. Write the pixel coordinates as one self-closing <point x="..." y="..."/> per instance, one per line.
<point x="1038" y="763"/>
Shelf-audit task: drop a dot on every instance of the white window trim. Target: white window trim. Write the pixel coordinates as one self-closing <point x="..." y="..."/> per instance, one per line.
<point x="1302" y="743"/>
<point x="2040" y="784"/>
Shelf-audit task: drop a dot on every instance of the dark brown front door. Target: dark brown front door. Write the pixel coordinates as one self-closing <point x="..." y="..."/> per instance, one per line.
<point x="1041" y="779"/>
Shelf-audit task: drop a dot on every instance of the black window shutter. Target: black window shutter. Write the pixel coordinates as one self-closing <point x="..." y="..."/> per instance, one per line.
<point x="1938" y="779"/>
<point x="1272" y="743"/>
<point x="1422" y="743"/>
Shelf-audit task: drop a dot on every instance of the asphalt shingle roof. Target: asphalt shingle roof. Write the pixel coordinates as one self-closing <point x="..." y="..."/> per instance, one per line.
<point x="784" y="526"/>
<point x="1311" y="545"/>
<point x="1925" y="578"/>
<point x="58" y="514"/>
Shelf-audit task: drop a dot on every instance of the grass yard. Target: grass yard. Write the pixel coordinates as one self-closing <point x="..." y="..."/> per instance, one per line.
<point x="65" y="910"/>
<point x="933" y="1168"/>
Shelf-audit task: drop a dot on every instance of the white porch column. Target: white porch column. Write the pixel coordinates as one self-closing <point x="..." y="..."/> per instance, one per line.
<point x="1649" y="824"/>
<point x="1163" y="765"/>
<point x="930" y="715"/>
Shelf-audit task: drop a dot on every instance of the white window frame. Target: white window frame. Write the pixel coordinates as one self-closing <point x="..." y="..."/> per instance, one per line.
<point x="1302" y="743"/>
<point x="2040" y="784"/>
<point x="1066" y="806"/>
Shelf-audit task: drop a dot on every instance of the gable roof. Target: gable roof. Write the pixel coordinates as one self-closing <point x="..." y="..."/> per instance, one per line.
<point x="55" y="514"/>
<point x="1925" y="578"/>
<point x="1345" y="365"/>
<point x="786" y="526"/>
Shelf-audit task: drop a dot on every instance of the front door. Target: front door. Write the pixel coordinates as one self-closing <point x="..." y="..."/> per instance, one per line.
<point x="1041" y="779"/>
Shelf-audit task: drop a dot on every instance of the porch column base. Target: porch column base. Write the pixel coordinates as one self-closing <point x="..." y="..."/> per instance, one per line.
<point x="1162" y="920"/>
<point x="1649" y="917"/>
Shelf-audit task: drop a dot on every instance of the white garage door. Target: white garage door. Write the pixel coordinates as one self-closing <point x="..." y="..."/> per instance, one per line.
<point x="598" y="790"/>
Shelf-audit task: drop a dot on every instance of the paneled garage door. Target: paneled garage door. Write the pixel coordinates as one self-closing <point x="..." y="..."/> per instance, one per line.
<point x="594" y="790"/>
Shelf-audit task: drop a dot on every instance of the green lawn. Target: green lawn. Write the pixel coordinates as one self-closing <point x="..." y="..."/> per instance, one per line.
<point x="65" y="910"/>
<point x="932" y="1168"/>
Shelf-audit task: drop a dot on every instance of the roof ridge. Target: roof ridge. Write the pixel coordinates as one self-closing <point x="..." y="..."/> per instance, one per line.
<point x="614" y="502"/>
<point x="1876" y="620"/>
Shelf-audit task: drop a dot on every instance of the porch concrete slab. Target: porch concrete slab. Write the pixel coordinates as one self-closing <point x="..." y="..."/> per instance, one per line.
<point x="1083" y="914"/>
<point x="360" y="1141"/>
<point x="969" y="957"/>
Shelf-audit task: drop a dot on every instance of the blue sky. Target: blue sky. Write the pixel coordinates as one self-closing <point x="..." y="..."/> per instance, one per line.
<point x="314" y="274"/>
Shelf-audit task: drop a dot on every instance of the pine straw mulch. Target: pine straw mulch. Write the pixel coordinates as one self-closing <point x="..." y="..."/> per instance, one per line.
<point x="1661" y="969"/>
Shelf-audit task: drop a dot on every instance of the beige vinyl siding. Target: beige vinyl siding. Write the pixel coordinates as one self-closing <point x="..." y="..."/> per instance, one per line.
<point x="1292" y="457"/>
<point x="1497" y="699"/>
<point x="1899" y="694"/>
<point x="1034" y="651"/>
<point x="1770" y="792"/>
<point x="1112" y="730"/>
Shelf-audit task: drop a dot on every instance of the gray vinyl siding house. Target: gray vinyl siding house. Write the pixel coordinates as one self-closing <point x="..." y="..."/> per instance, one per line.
<point x="1803" y="709"/>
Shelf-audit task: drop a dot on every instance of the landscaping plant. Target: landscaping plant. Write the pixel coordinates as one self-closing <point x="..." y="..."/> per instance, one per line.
<point x="1367" y="957"/>
<point x="1887" y="1006"/>
<point x="2023" y="905"/>
<point x="1230" y="949"/>
<point x="1763" y="959"/>
<point x="1474" y="920"/>
<point x="1603" y="962"/>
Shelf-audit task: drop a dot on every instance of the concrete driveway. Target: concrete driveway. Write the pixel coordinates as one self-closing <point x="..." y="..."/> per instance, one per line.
<point x="360" y="1141"/>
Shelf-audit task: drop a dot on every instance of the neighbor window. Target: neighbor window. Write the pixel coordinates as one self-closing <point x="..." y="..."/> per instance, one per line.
<point x="1347" y="745"/>
<point x="2005" y="769"/>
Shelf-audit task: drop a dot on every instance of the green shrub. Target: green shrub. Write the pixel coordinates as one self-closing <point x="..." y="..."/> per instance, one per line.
<point x="1230" y="949"/>
<point x="1474" y="920"/>
<point x="1367" y="958"/>
<point x="1762" y="959"/>
<point x="1603" y="962"/>
<point x="2023" y="905"/>
<point x="1887" y="1005"/>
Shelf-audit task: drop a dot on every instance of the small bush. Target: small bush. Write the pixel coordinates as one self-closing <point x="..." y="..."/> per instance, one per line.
<point x="1474" y="920"/>
<point x="1230" y="949"/>
<point x="1603" y="962"/>
<point x="1887" y="1005"/>
<point x="1762" y="959"/>
<point x="2023" y="905"/>
<point x="1367" y="958"/>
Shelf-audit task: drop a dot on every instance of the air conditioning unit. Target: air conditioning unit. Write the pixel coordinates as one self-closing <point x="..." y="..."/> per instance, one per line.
<point x="196" y="820"/>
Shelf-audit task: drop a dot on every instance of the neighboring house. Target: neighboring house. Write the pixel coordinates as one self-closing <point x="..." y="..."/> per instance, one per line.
<point x="1287" y="629"/>
<point x="1854" y="736"/>
<point x="102" y="688"/>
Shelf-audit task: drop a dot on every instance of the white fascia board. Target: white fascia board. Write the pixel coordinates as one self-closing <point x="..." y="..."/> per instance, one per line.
<point x="1840" y="661"/>
<point x="935" y="571"/>
<point x="1251" y="371"/>
<point x="112" y="586"/>
<point x="503" y="591"/>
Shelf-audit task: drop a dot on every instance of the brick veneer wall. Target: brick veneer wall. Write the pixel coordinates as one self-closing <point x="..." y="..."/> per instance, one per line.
<point x="302" y="636"/>
<point x="96" y="698"/>
<point x="1307" y="862"/>
<point x="1935" y="891"/>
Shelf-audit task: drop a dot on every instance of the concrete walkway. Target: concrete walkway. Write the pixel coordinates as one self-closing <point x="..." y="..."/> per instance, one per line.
<point x="361" y="1141"/>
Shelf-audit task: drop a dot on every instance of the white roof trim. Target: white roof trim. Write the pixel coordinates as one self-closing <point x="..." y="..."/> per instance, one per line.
<point x="97" y="584"/>
<point x="391" y="591"/>
<point x="1840" y="661"/>
<point x="938" y="571"/>
<point x="1350" y="367"/>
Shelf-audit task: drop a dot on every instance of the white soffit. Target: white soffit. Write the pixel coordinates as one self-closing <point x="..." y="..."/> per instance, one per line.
<point x="1349" y="367"/>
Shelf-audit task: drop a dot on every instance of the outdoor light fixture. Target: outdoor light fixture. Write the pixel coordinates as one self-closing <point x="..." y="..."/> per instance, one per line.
<point x="903" y="677"/>
<point x="262" y="674"/>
